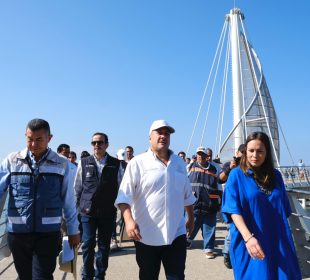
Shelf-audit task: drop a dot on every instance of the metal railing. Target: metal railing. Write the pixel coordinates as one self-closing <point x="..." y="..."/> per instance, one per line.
<point x="298" y="188"/>
<point x="4" y="250"/>
<point x="295" y="176"/>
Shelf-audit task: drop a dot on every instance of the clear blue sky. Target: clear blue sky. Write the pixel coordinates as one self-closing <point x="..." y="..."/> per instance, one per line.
<point x="115" y="66"/>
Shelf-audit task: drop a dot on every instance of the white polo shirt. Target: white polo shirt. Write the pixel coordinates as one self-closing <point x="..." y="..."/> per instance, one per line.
<point x="157" y="195"/>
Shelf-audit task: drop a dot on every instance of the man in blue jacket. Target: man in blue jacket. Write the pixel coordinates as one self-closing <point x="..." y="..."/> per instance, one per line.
<point x="40" y="190"/>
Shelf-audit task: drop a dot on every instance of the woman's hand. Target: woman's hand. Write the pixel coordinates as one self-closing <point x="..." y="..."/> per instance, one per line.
<point x="254" y="249"/>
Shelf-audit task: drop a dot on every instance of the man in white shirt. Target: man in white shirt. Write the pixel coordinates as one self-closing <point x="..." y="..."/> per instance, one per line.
<point x="152" y="196"/>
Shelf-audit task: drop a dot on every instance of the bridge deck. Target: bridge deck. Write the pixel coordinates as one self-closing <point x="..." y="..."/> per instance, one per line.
<point x="122" y="264"/>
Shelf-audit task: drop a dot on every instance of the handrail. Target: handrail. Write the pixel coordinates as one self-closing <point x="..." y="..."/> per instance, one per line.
<point x="295" y="176"/>
<point x="301" y="216"/>
<point x="4" y="251"/>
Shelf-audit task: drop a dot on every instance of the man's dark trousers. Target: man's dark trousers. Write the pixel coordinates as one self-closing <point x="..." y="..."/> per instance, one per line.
<point x="102" y="228"/>
<point x="35" y="254"/>
<point x="172" y="256"/>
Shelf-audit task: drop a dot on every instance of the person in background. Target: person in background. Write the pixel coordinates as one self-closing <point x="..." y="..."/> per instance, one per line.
<point x="194" y="159"/>
<point x="72" y="157"/>
<point x="84" y="154"/>
<point x="210" y="160"/>
<point x="182" y="155"/>
<point x="301" y="169"/>
<point x="152" y="196"/>
<point x="120" y="155"/>
<point x="256" y="205"/>
<point x="227" y="167"/>
<point x="187" y="160"/>
<point x="129" y="153"/>
<point x="64" y="150"/>
<point x="40" y="190"/>
<point x="202" y="176"/>
<point x="96" y="187"/>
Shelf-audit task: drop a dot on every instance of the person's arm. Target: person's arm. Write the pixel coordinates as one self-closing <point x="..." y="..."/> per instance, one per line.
<point x="78" y="185"/>
<point x="190" y="219"/>
<point x="132" y="228"/>
<point x="4" y="176"/>
<point x="226" y="170"/>
<point x="69" y="209"/>
<point x="223" y="176"/>
<point x="251" y="243"/>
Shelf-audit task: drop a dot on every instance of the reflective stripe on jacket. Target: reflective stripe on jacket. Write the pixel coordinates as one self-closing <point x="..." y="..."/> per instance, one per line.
<point x="35" y="202"/>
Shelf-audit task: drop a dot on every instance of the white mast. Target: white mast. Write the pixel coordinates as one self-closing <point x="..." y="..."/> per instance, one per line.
<point x="252" y="105"/>
<point x="238" y="111"/>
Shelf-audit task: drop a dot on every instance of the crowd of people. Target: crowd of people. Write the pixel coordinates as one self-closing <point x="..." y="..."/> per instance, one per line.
<point x="164" y="199"/>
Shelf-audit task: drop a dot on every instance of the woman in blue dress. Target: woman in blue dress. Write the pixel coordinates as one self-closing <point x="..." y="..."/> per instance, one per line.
<point x="256" y="205"/>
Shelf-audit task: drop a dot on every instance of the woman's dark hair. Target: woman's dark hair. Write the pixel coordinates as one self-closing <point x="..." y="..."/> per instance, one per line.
<point x="264" y="175"/>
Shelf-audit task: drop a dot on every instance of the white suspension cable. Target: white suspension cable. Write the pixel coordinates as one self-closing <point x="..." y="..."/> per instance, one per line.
<point x="286" y="145"/>
<point x="225" y="90"/>
<point x="205" y="90"/>
<point x="212" y="92"/>
<point x="223" y="97"/>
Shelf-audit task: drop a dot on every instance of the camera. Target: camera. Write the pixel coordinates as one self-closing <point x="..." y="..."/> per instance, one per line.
<point x="237" y="160"/>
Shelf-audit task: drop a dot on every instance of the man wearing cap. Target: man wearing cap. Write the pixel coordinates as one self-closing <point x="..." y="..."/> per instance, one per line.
<point x="202" y="176"/>
<point x="227" y="167"/>
<point x="152" y="196"/>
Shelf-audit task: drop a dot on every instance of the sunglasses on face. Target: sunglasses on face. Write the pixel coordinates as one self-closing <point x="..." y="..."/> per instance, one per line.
<point x="99" y="143"/>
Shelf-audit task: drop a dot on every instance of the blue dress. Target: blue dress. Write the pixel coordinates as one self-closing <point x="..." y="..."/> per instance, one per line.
<point x="266" y="217"/>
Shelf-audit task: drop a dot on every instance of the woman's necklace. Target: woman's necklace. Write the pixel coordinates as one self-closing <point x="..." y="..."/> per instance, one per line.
<point x="264" y="189"/>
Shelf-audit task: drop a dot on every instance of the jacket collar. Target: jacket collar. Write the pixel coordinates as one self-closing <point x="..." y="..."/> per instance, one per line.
<point x="51" y="156"/>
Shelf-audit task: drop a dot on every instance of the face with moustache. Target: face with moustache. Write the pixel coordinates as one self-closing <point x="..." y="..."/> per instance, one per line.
<point x="99" y="145"/>
<point x="160" y="140"/>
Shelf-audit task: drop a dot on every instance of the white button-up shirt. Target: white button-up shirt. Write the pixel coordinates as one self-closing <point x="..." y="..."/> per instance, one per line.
<point x="157" y="195"/>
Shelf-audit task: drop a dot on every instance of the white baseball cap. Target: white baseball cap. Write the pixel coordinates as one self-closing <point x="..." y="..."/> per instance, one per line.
<point x="120" y="154"/>
<point x="201" y="150"/>
<point x="159" y="124"/>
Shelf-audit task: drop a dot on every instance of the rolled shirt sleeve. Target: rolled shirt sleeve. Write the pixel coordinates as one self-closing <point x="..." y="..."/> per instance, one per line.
<point x="231" y="198"/>
<point x="189" y="198"/>
<point x="128" y="184"/>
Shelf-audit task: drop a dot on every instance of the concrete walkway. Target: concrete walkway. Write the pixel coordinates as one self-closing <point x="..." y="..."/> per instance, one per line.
<point x="122" y="263"/>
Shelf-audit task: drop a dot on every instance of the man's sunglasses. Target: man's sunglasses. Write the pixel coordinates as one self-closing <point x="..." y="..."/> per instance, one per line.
<point x="99" y="143"/>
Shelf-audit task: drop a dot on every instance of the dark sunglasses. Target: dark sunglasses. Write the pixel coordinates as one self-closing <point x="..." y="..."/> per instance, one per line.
<point x="97" y="142"/>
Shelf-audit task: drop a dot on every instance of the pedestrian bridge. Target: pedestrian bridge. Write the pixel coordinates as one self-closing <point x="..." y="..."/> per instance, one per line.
<point x="122" y="264"/>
